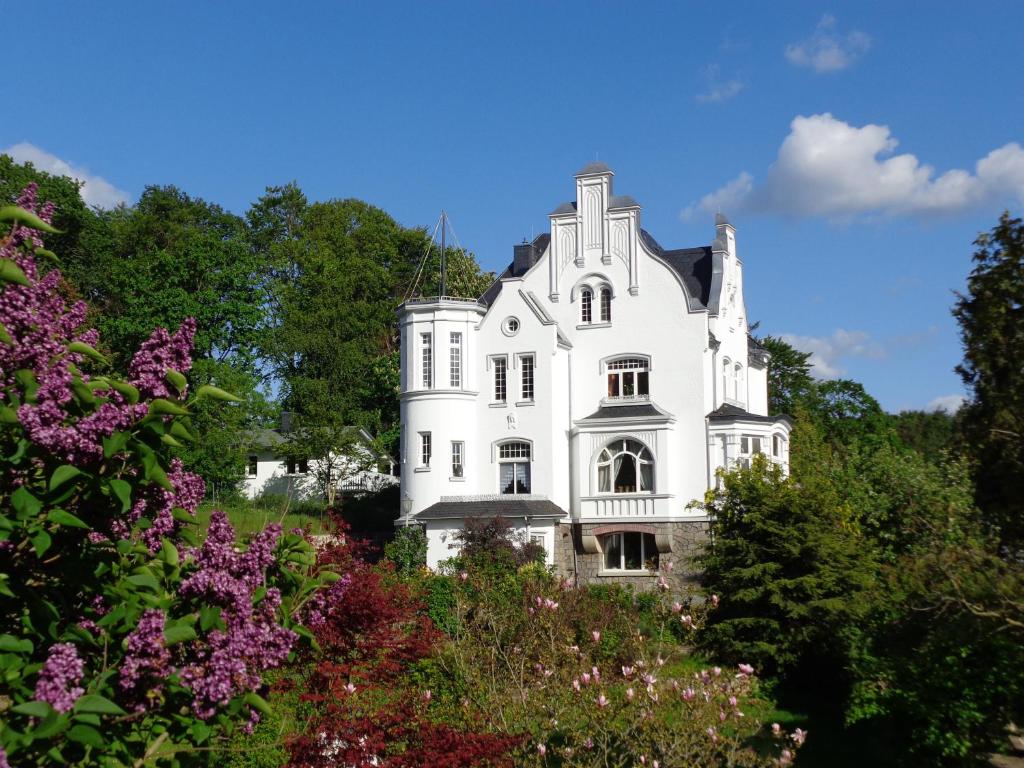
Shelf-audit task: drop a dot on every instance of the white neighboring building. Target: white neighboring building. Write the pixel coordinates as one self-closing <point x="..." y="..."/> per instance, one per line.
<point x="267" y="471"/>
<point x="589" y="396"/>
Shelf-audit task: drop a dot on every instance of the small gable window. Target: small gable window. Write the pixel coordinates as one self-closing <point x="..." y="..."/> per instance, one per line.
<point x="586" y="306"/>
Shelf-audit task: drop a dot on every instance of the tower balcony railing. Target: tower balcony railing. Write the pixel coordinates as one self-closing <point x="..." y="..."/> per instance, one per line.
<point x="445" y="300"/>
<point x="625" y="399"/>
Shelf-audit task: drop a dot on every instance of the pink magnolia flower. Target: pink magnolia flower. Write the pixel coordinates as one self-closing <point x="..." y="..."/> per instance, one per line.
<point x="716" y="671"/>
<point x="660" y="661"/>
<point x="714" y="601"/>
<point x="712" y="733"/>
<point x="576" y="685"/>
<point x="677" y="607"/>
<point x="643" y="759"/>
<point x="689" y="694"/>
<point x="776" y="729"/>
<point x="596" y="673"/>
<point x="627" y="671"/>
<point x="687" y="621"/>
<point x="798" y="736"/>
<point x="349" y="688"/>
<point x="669" y="566"/>
<point x="649" y="678"/>
<point x="542" y="750"/>
<point x="589" y="743"/>
<point x="629" y="694"/>
<point x="746" y="669"/>
<point x="585" y="677"/>
<point x="721" y="715"/>
<point x="602" y="702"/>
<point x="596" y="635"/>
<point x="732" y="701"/>
<point x="463" y="576"/>
<point x="786" y="758"/>
<point x="427" y="695"/>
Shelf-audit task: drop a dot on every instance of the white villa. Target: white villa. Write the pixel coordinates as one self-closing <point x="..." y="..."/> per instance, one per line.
<point x="589" y="396"/>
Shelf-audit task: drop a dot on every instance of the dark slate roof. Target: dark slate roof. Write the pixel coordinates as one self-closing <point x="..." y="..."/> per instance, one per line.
<point x="569" y="207"/>
<point x="622" y="201"/>
<point x="540" y="244"/>
<point x="626" y="412"/>
<point x="595" y="167"/>
<point x="726" y="412"/>
<point x="511" y="507"/>
<point x="693" y="265"/>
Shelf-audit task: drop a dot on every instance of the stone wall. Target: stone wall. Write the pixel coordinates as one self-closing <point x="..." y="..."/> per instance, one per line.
<point x="687" y="540"/>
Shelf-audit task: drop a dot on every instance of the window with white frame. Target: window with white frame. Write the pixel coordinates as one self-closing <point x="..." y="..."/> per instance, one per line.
<point x="514" y="467"/>
<point x="630" y="551"/>
<point x="428" y="359"/>
<point x="726" y="367"/>
<point x="750" y="446"/>
<point x="606" y="305"/>
<point x="455" y="360"/>
<point x="425" y="449"/>
<point x="738" y="383"/>
<point x="628" y="378"/>
<point x="500" y="379"/>
<point x="625" y="466"/>
<point x="526" y="382"/>
<point x="458" y="452"/>
<point x="586" y="305"/>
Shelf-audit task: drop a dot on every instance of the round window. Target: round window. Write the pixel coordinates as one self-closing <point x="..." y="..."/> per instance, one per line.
<point x="510" y="326"/>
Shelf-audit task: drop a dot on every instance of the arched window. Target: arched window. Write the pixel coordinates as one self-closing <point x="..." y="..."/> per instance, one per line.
<point x="625" y="466"/>
<point x="606" y="305"/>
<point x="629" y="377"/>
<point x="738" y="383"/>
<point x="726" y="366"/>
<point x="586" y="305"/>
<point x="514" y="467"/>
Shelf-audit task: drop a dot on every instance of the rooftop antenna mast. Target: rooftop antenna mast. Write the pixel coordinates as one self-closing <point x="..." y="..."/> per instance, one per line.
<point x="444" y="265"/>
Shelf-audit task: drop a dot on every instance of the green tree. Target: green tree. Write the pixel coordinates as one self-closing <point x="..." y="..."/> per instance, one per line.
<point x="789" y="565"/>
<point x="790" y="384"/>
<point x="991" y="424"/>
<point x="930" y="433"/>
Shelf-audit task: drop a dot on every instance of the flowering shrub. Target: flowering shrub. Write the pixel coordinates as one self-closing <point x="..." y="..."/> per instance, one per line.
<point x="124" y="639"/>
<point x="533" y="656"/>
<point x="365" y="704"/>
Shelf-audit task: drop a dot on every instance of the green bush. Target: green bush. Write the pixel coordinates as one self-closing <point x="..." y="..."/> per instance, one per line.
<point x="408" y="550"/>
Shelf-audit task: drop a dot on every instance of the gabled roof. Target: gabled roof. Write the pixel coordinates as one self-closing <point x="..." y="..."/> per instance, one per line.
<point x="693" y="265"/>
<point x="622" y="201"/>
<point x="569" y="207"/>
<point x="540" y="244"/>
<point x="510" y="507"/>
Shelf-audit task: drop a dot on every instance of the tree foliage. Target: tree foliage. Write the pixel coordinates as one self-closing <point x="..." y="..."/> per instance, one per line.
<point x="991" y="425"/>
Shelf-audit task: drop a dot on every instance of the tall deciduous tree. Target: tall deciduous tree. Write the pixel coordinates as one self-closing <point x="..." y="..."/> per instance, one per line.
<point x="991" y="318"/>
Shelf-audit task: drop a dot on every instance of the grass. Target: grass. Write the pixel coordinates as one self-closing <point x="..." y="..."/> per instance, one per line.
<point x="249" y="517"/>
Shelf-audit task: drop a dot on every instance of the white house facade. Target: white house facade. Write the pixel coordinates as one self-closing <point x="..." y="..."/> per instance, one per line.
<point x="589" y="396"/>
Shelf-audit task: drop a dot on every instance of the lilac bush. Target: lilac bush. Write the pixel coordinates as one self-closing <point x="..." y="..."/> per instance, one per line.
<point x="124" y="638"/>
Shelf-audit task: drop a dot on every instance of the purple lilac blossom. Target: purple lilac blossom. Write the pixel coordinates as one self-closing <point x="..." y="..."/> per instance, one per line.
<point x="58" y="679"/>
<point x="160" y="352"/>
<point x="147" y="661"/>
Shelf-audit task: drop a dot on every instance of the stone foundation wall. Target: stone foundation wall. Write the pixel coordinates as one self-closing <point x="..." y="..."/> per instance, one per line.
<point x="687" y="540"/>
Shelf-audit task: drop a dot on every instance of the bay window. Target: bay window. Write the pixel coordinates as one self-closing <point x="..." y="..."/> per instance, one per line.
<point x="625" y="466"/>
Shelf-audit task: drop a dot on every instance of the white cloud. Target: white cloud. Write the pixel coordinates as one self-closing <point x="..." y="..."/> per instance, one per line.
<point x="826" y="50"/>
<point x="717" y="89"/>
<point x="948" y="403"/>
<point x="828" y="352"/>
<point x="95" y="189"/>
<point x="826" y="167"/>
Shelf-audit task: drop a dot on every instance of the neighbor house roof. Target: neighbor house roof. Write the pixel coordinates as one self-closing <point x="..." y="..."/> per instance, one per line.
<point x="510" y="507"/>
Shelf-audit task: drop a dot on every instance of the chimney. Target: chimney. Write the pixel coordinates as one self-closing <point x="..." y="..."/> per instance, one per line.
<point x="524" y="257"/>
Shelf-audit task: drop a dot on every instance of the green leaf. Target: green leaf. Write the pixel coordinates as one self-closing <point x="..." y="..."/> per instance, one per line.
<point x="145" y="580"/>
<point x="216" y="393"/>
<point x="182" y="515"/>
<point x="38" y="709"/>
<point x="51" y="726"/>
<point x="12" y="273"/>
<point x="180" y="430"/>
<point x="168" y="440"/>
<point x="62" y="474"/>
<point x="123" y="491"/>
<point x="209" y="616"/>
<point x="97" y="704"/>
<point x="130" y="392"/>
<point x="177" y="380"/>
<point x="8" y="415"/>
<point x="12" y="644"/>
<point x="200" y="731"/>
<point x="257" y="702"/>
<point x="16" y="215"/>
<point x="62" y="517"/>
<point x="25" y="504"/>
<point x="84" y="349"/>
<point x="41" y="543"/>
<point x="169" y="552"/>
<point x="86" y="734"/>
<point x="178" y="633"/>
<point x="5" y="337"/>
<point x="82" y="393"/>
<point x="47" y="255"/>
<point x="155" y="473"/>
<point x="159" y="406"/>
<point x="114" y="444"/>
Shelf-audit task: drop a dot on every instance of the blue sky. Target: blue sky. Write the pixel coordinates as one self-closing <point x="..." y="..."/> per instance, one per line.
<point x="858" y="148"/>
